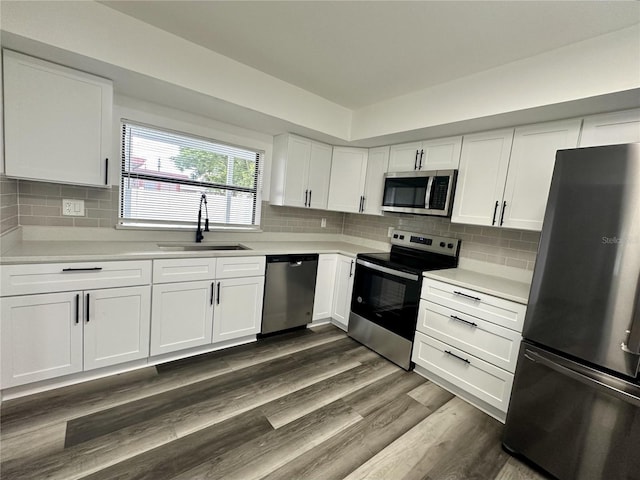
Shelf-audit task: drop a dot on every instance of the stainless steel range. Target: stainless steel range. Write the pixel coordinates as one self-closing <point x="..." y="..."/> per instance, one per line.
<point x="386" y="291"/>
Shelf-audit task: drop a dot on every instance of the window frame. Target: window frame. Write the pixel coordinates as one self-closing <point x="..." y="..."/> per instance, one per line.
<point x="147" y="224"/>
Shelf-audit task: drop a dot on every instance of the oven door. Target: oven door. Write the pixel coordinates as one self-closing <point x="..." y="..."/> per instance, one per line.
<point x="386" y="297"/>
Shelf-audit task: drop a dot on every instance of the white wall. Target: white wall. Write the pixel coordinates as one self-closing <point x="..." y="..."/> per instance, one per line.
<point x="602" y="65"/>
<point x="160" y="116"/>
<point x="95" y="31"/>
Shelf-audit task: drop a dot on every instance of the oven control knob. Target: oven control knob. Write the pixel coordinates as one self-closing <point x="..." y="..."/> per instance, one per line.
<point x="442" y="244"/>
<point x="395" y="235"/>
<point x="359" y="299"/>
<point x="450" y="245"/>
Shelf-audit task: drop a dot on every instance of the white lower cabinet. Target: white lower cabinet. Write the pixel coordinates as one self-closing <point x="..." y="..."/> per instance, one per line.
<point x="342" y="291"/>
<point x="116" y="325"/>
<point x="325" y="281"/>
<point x="182" y="316"/>
<point x="468" y="343"/>
<point x="190" y="314"/>
<point x="41" y="337"/>
<point x="49" y="335"/>
<point x="98" y="317"/>
<point x="238" y="308"/>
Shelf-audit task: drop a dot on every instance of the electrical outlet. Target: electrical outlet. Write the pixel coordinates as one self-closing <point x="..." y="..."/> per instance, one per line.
<point x="323" y="223"/>
<point x="73" y="208"/>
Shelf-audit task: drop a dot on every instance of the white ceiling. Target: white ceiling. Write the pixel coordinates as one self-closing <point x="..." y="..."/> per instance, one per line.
<point x="357" y="53"/>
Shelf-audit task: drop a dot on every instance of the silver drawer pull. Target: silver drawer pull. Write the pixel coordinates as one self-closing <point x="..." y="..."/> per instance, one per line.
<point x="467" y="296"/>
<point x="473" y="324"/>
<point x="456" y="356"/>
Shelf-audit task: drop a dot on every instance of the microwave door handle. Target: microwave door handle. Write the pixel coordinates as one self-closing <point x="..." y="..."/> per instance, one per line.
<point x="427" y="197"/>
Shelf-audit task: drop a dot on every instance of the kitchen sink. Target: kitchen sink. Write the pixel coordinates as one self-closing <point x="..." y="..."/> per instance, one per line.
<point x="200" y="247"/>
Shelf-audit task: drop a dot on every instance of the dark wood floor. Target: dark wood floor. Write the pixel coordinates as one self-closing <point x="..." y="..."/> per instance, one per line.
<point x="312" y="404"/>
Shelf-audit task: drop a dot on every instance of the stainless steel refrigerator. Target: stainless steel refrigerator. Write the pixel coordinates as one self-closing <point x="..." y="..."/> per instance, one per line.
<point x="575" y="404"/>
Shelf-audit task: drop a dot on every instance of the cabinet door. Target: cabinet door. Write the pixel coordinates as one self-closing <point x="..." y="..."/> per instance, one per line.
<point x="348" y="173"/>
<point x="611" y="128"/>
<point x="440" y="154"/>
<point x="57" y="122"/>
<point x="181" y="316"/>
<point x="325" y="283"/>
<point x="41" y="337"/>
<point x="238" y="311"/>
<point x="533" y="156"/>
<point x="404" y="157"/>
<point x="116" y="328"/>
<point x="377" y="166"/>
<point x="319" y="175"/>
<point x="342" y="290"/>
<point x="297" y="171"/>
<point x="483" y="170"/>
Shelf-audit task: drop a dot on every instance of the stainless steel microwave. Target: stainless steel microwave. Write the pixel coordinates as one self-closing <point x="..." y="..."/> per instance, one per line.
<point x="428" y="192"/>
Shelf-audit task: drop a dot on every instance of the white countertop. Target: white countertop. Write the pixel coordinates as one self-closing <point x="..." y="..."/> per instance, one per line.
<point x="498" y="286"/>
<point x="83" y="251"/>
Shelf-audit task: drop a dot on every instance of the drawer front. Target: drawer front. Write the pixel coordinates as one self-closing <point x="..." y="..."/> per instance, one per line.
<point x="62" y="277"/>
<point x="171" y="270"/>
<point x="479" y="378"/>
<point x="234" y="267"/>
<point x="487" y="307"/>
<point x="490" y="342"/>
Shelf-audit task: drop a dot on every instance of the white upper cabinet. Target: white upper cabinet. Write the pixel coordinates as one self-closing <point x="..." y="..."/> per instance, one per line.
<point x="438" y="154"/>
<point x="533" y="157"/>
<point x="377" y="166"/>
<point x="348" y="173"/>
<point x="505" y="175"/>
<point x="300" y="172"/>
<point x="57" y="122"/>
<point x="611" y="128"/>
<point x="481" y="178"/>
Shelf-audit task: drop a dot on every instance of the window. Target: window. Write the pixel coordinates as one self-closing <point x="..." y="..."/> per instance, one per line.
<point x="165" y="173"/>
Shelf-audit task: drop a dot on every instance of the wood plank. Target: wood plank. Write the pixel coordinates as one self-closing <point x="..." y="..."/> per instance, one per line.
<point x="304" y="401"/>
<point x="514" y="469"/>
<point x="31" y="445"/>
<point x="265" y="454"/>
<point x="112" y="419"/>
<point x="377" y="395"/>
<point x="472" y="452"/>
<point x="422" y="444"/>
<point x="431" y="395"/>
<point x="346" y="451"/>
<point x="190" y="451"/>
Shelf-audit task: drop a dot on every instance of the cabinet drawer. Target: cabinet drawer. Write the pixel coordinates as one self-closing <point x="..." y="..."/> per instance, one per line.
<point x="183" y="269"/>
<point x="233" y="267"/>
<point x="61" y="277"/>
<point x="477" y="377"/>
<point x="490" y="342"/>
<point x="486" y="307"/>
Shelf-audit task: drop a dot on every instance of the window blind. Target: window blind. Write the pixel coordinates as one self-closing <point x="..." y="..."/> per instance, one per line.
<point x="164" y="174"/>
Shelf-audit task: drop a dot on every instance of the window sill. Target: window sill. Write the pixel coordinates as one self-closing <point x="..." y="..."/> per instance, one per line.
<point x="186" y="228"/>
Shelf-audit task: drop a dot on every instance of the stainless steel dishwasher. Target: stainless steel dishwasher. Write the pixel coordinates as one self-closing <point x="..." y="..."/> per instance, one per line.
<point x="290" y="285"/>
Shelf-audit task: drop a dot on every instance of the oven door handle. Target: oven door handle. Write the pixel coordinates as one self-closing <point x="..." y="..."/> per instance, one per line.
<point x="390" y="271"/>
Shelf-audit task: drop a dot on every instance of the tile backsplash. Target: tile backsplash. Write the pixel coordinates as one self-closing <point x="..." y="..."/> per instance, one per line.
<point x="513" y="248"/>
<point x="24" y="202"/>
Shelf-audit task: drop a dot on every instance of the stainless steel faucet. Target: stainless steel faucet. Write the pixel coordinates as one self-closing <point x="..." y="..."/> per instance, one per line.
<point x="199" y="231"/>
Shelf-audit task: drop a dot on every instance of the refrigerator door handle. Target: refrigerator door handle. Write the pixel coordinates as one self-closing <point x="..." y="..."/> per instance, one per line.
<point x="633" y="340"/>
<point x="588" y="380"/>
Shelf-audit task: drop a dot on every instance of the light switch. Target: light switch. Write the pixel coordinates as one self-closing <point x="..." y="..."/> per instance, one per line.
<point x="74" y="208"/>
